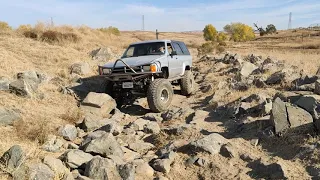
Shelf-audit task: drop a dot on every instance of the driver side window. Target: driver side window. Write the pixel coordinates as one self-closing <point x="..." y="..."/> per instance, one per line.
<point x="169" y="48"/>
<point x="130" y="52"/>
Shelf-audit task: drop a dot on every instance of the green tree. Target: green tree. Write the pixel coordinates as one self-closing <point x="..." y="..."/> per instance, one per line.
<point x="210" y="33"/>
<point x="271" y="29"/>
<point x="221" y="37"/>
<point x="228" y="28"/>
<point x="241" y="32"/>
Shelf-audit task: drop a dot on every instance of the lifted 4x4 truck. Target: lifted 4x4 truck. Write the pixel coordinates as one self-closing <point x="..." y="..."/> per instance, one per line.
<point x="150" y="68"/>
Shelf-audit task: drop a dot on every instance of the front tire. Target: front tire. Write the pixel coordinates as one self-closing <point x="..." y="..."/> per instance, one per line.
<point x="187" y="83"/>
<point x="160" y="95"/>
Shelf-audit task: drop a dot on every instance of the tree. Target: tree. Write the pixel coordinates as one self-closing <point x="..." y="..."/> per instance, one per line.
<point x="210" y="33"/>
<point x="228" y="28"/>
<point x="221" y="37"/>
<point x="271" y="29"/>
<point x="240" y="32"/>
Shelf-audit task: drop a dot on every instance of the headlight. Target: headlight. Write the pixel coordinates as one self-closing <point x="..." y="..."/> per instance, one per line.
<point x="146" y="68"/>
<point x="151" y="68"/>
<point x="106" y="71"/>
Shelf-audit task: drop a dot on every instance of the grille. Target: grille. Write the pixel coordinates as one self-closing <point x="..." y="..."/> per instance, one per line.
<point x="127" y="70"/>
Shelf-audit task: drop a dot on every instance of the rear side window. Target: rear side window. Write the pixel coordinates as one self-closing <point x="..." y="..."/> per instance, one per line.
<point x="184" y="48"/>
<point x="177" y="48"/>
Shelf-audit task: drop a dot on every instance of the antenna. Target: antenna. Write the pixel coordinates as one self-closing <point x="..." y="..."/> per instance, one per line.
<point x="142" y="23"/>
<point x="290" y="21"/>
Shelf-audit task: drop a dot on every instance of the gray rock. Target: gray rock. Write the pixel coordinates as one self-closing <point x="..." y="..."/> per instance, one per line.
<point x="309" y="103"/>
<point x="4" y="84"/>
<point x="101" y="168"/>
<point x="31" y="77"/>
<point x="283" y="76"/>
<point x="76" y="158"/>
<point x="68" y="132"/>
<point x="81" y="68"/>
<point x="129" y="155"/>
<point x="8" y="117"/>
<point x="171" y="146"/>
<point x="52" y="144"/>
<point x="162" y="165"/>
<point x="143" y="170"/>
<point x="22" y="88"/>
<point x="55" y="165"/>
<point x="211" y="143"/>
<point x="191" y="160"/>
<point x="279" y="116"/>
<point x="71" y="145"/>
<point x="200" y="162"/>
<point x="298" y="116"/>
<point x="317" y="87"/>
<point x="40" y="171"/>
<point x="177" y="113"/>
<point x="288" y="96"/>
<point x="92" y="122"/>
<point x="138" y="125"/>
<point x="199" y="116"/>
<point x="153" y="117"/>
<point x="99" y="104"/>
<point x="12" y="158"/>
<point x="227" y="150"/>
<point x="112" y="127"/>
<point x="247" y="69"/>
<point x="177" y="130"/>
<point x="152" y="127"/>
<point x="127" y="171"/>
<point x="102" y="54"/>
<point x="141" y="147"/>
<point x="105" y="145"/>
<point x="91" y="136"/>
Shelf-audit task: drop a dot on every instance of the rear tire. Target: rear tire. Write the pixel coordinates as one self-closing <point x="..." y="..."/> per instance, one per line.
<point x="187" y="83"/>
<point x="160" y="95"/>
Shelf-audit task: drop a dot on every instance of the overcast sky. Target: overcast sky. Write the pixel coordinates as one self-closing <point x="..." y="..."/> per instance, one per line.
<point x="165" y="15"/>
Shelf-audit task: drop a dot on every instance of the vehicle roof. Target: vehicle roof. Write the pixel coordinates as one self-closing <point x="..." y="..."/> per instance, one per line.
<point x="153" y="41"/>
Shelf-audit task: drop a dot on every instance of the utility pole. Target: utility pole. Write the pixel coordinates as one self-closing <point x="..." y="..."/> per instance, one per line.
<point x="157" y="34"/>
<point x="290" y="21"/>
<point x="52" y="22"/>
<point x="142" y="22"/>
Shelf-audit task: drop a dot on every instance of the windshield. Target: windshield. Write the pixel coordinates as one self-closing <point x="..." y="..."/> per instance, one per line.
<point x="145" y="49"/>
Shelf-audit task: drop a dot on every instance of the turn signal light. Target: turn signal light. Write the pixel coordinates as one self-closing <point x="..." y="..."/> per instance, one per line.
<point x="153" y="68"/>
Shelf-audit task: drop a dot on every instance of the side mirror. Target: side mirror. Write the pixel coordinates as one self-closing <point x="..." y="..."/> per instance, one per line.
<point x="173" y="53"/>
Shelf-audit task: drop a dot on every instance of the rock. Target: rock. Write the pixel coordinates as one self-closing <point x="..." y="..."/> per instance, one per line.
<point x="317" y="87"/>
<point x="211" y="143"/>
<point x="4" y="84"/>
<point x="247" y="69"/>
<point x="71" y="145"/>
<point x="21" y="88"/>
<point x="40" y="171"/>
<point x="199" y="116"/>
<point x="112" y="127"/>
<point x="92" y="122"/>
<point x="81" y="68"/>
<point x="139" y="124"/>
<point x="105" y="145"/>
<point x="91" y="136"/>
<point x="279" y="116"/>
<point x="129" y="155"/>
<point x="31" y="77"/>
<point x="227" y="150"/>
<point x="98" y="104"/>
<point x="127" y="171"/>
<point x="143" y="170"/>
<point x="101" y="168"/>
<point x="12" y="158"/>
<point x="191" y="160"/>
<point x="68" y="132"/>
<point x="102" y="54"/>
<point x="117" y="160"/>
<point x="141" y="147"/>
<point x="298" y="116"/>
<point x="153" y="117"/>
<point x="52" y="144"/>
<point x="55" y="165"/>
<point x="310" y="103"/>
<point x="177" y="113"/>
<point x="264" y="171"/>
<point x="283" y="76"/>
<point x="177" y="130"/>
<point x="152" y="127"/>
<point x="76" y="158"/>
<point x="8" y="117"/>
<point x="254" y="142"/>
<point x="162" y="165"/>
<point x="200" y="162"/>
<point x="288" y="96"/>
<point x="259" y="83"/>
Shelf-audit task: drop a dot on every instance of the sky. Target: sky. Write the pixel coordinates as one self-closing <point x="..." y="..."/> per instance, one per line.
<point x="164" y="15"/>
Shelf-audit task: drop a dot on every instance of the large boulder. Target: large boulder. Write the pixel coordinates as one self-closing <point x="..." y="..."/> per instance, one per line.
<point x="76" y="158"/>
<point x="143" y="170"/>
<point x="279" y="116"/>
<point x="99" y="104"/>
<point x="13" y="158"/>
<point x="283" y="76"/>
<point x="40" y="171"/>
<point x="141" y="147"/>
<point x="68" y="132"/>
<point x="93" y="122"/>
<point x="247" y="69"/>
<point x="317" y="87"/>
<point x="81" y="68"/>
<point x="311" y="104"/>
<point x="298" y="116"/>
<point x="55" y="165"/>
<point x="8" y="117"/>
<point x="105" y="145"/>
<point x="211" y="143"/>
<point x="101" y="168"/>
<point x="31" y="77"/>
<point x="22" y="88"/>
<point x="127" y="171"/>
<point x="152" y="127"/>
<point x="102" y="54"/>
<point x="91" y="136"/>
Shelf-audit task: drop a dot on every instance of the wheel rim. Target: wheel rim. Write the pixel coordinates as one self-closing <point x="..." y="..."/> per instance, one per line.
<point x="164" y="97"/>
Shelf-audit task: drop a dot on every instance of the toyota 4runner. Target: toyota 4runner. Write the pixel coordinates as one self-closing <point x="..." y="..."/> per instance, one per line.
<point x="150" y="68"/>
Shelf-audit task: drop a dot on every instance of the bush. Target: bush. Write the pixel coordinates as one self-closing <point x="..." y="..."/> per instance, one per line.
<point x="210" y="33"/>
<point x="30" y="34"/>
<point x="111" y="30"/>
<point x="24" y="28"/>
<point x="54" y="36"/>
<point x="271" y="29"/>
<point x="221" y="37"/>
<point x="241" y="32"/>
<point x="206" y="48"/>
<point x="222" y="43"/>
<point x="4" y="26"/>
<point x="220" y="49"/>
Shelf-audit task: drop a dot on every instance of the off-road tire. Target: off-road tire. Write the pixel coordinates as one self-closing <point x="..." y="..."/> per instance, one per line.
<point x="159" y="95"/>
<point x="108" y="86"/>
<point x="187" y="83"/>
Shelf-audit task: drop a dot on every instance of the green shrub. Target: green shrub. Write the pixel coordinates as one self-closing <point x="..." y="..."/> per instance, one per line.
<point x="210" y="33"/>
<point x="271" y="29"/>
<point x="111" y="30"/>
<point x="55" y="36"/>
<point x="221" y="37"/>
<point x="240" y="32"/>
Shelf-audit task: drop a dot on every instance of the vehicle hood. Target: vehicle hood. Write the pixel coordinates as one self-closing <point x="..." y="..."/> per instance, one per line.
<point x="135" y="61"/>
